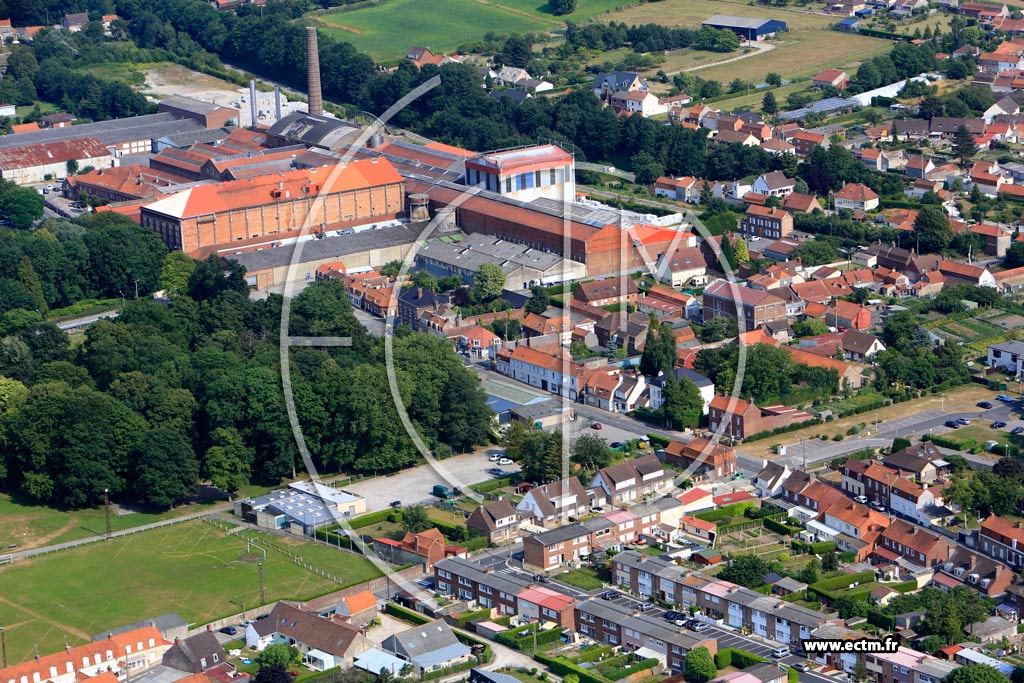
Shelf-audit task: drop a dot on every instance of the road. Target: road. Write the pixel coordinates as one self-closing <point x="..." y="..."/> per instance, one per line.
<point x="85" y="321"/>
<point x="759" y="49"/>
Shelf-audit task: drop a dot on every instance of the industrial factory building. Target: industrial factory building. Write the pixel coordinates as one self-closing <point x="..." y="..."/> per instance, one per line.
<point x="747" y="28"/>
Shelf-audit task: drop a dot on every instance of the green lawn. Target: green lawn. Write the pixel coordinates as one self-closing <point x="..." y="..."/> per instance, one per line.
<point x="585" y="578"/>
<point x="192" y="568"/>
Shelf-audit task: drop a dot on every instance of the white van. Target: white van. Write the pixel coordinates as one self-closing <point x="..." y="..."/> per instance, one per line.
<point x="780" y="652"/>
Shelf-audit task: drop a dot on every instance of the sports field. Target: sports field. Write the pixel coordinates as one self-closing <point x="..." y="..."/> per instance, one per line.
<point x="192" y="568"/>
<point x="387" y="30"/>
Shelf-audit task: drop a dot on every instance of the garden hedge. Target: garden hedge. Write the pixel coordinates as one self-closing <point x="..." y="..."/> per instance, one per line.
<point x="406" y="614"/>
<point x="563" y="668"/>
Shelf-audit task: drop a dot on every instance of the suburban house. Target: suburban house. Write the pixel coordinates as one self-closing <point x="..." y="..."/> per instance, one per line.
<point x="831" y="78"/>
<point x="858" y="527"/>
<point x="613" y="290"/>
<point x="467" y="580"/>
<point x="847" y="315"/>
<point x="911" y="543"/>
<point x="323" y="643"/>
<point x="117" y="655"/>
<point x="856" y="197"/>
<point x="618" y="81"/>
<point x="704" y="385"/>
<point x="922" y="461"/>
<point x="1006" y="355"/>
<point x="430" y="647"/>
<point x="751" y="307"/>
<point x="628" y="482"/>
<point x="682" y="189"/>
<point x="1003" y="540"/>
<point x="683" y="267"/>
<point x="805" y="142"/>
<point x="774" y="184"/>
<point x="771" y="477"/>
<point x="700" y="457"/>
<point x="767" y="222"/>
<point x="957" y="273"/>
<point x="498" y="521"/>
<point x="195" y="654"/>
<point x="550" y="505"/>
<point x="642" y="102"/>
<point x="543" y="605"/>
<point x="738" y="419"/>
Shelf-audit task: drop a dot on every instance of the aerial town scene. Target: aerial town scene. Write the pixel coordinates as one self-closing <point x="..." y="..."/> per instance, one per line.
<point x="511" y="341"/>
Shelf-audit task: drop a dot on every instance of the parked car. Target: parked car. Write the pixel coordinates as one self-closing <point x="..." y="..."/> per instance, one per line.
<point x="998" y="424"/>
<point x="229" y="630"/>
<point x="963" y="421"/>
<point x="879" y="506"/>
<point x="674" y="616"/>
<point x="647" y="606"/>
<point x="505" y="461"/>
<point x="984" y="404"/>
<point x="780" y="652"/>
<point x="861" y="499"/>
<point x="609" y="595"/>
<point x="596" y="509"/>
<point x="541" y="578"/>
<point x="801" y="666"/>
<point x="951" y="424"/>
<point x="396" y="504"/>
<point x="1017" y="430"/>
<point x="698" y="626"/>
<point x="1003" y="398"/>
<point x="442" y="492"/>
<point x="494" y="457"/>
<point x="597" y="425"/>
<point x="615" y="445"/>
<point x="496" y="471"/>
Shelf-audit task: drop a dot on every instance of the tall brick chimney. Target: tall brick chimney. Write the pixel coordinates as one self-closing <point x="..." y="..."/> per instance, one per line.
<point x="316" y="99"/>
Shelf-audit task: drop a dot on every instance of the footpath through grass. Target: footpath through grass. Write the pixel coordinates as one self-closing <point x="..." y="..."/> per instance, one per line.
<point x="192" y="568"/>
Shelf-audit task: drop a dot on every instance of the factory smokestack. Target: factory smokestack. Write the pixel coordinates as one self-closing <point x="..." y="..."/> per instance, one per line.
<point x="252" y="103"/>
<point x="277" y="102"/>
<point x="316" y="101"/>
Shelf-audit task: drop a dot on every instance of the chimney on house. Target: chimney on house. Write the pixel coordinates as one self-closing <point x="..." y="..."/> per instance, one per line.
<point x="252" y="103"/>
<point x="316" y="102"/>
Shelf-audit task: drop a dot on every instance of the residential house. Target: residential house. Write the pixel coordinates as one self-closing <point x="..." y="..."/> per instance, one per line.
<point x="805" y="142"/>
<point x="767" y="222"/>
<point x="808" y="496"/>
<point x="739" y="419"/>
<point x="860" y="346"/>
<point x="545" y="605"/>
<point x="774" y="184"/>
<point x="553" y="372"/>
<point x="846" y="315"/>
<point x="72" y="23"/>
<point x="631" y="481"/>
<point x="989" y="577"/>
<point x="921" y="461"/>
<point x="566" y="544"/>
<point x="797" y="202"/>
<point x="831" y="78"/>
<point x="498" y="521"/>
<point x="1003" y="540"/>
<point x="686" y="304"/>
<point x="535" y="325"/>
<point x="322" y="643"/>
<point x="911" y="129"/>
<point x="752" y="308"/>
<point x="641" y="102"/>
<point x="466" y="580"/>
<point x="684" y="189"/>
<point x="476" y="341"/>
<point x="858" y="526"/>
<point x="856" y="197"/>
<point x="618" y="81"/>
<point x="736" y="137"/>
<point x="913" y="544"/>
<point x="905" y="665"/>
<point x="700" y="458"/>
<point x="118" y="655"/>
<point x="429" y="647"/>
<point x="868" y="478"/>
<point x="550" y="505"/>
<point x="195" y="654"/>
<point x="621" y="330"/>
<point x="684" y="266"/>
<point x="769" y="480"/>
<point x="1006" y="355"/>
<point x="614" y="390"/>
<point x="607" y="292"/>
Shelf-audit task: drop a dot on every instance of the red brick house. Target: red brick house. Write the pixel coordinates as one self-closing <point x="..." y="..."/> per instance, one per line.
<point x="736" y="418"/>
<point x="607" y="292"/>
<point x="912" y="543"/>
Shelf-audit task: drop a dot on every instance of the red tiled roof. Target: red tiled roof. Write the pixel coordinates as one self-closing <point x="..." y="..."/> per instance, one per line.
<point x="856" y="192"/>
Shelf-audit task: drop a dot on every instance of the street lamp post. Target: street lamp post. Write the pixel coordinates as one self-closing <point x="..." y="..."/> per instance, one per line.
<point x="3" y="646"/>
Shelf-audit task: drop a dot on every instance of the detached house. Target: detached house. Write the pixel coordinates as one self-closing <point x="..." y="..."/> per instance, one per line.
<point x="768" y="222"/>
<point x="831" y="78"/>
<point x="550" y="505"/>
<point x="856" y="197"/>
<point x="430" y="647"/>
<point x="631" y="481"/>
<point x="323" y="643"/>
<point x="912" y="544"/>
<point x="774" y="184"/>
<point x="498" y="521"/>
<point x="739" y="419"/>
<point x="613" y="290"/>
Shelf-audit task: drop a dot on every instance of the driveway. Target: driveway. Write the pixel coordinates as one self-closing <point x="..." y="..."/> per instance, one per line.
<point x="414" y="485"/>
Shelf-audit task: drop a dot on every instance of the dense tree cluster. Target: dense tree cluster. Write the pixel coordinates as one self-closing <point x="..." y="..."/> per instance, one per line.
<point x="770" y="374"/>
<point x="947" y="613"/>
<point x="648" y="37"/>
<point x="168" y="394"/>
<point x="912" y="361"/>
<point x="905" y="60"/>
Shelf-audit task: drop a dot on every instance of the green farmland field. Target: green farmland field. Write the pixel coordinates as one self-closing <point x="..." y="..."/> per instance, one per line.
<point x="386" y="30"/>
<point x="192" y="568"/>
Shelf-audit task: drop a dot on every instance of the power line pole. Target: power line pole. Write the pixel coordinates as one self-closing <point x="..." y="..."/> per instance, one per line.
<point x="3" y="645"/>
<point x="263" y="597"/>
